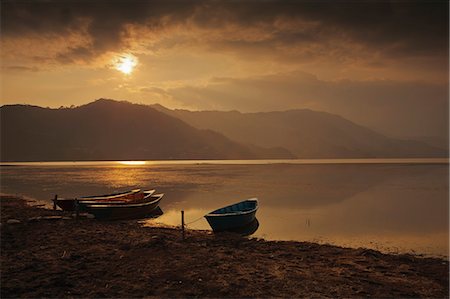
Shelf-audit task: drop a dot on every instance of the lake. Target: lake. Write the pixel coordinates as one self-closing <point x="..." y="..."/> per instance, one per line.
<point x="392" y="205"/>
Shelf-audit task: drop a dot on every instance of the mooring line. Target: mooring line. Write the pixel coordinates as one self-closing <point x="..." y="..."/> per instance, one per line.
<point x="194" y="220"/>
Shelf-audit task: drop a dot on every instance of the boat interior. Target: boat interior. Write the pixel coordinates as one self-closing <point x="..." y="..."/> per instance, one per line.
<point x="111" y="195"/>
<point x="239" y="207"/>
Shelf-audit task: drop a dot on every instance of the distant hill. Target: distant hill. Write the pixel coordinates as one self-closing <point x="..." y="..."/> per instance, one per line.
<point x="305" y="133"/>
<point x="111" y="130"/>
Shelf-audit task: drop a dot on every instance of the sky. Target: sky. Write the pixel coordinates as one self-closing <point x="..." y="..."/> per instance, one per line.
<point x="381" y="64"/>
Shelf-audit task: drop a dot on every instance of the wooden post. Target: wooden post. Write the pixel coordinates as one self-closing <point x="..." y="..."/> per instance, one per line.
<point x="54" y="201"/>
<point x="182" y="224"/>
<point x="77" y="209"/>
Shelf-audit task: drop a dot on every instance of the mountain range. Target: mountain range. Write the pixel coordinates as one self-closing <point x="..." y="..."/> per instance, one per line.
<point x="305" y="133"/>
<point x="113" y="130"/>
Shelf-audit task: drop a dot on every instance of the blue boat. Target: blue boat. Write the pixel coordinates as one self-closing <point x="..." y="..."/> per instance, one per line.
<point x="233" y="216"/>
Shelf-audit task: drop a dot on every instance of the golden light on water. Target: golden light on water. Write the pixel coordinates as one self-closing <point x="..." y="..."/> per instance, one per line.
<point x="126" y="63"/>
<point x="132" y="162"/>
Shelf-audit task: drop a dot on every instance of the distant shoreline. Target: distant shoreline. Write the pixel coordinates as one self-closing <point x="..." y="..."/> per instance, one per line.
<point x="235" y="162"/>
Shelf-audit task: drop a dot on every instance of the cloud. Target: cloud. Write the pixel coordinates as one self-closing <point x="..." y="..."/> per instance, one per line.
<point x="289" y="29"/>
<point x="20" y="68"/>
<point x="75" y="54"/>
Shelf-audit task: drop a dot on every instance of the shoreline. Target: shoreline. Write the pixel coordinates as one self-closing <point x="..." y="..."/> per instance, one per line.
<point x="56" y="257"/>
<point x="296" y="161"/>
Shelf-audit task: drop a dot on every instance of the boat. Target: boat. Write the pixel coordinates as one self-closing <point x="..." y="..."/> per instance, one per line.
<point x="69" y="204"/>
<point x="136" y="198"/>
<point x="248" y="229"/>
<point x="233" y="216"/>
<point x="114" y="211"/>
<point x="126" y="194"/>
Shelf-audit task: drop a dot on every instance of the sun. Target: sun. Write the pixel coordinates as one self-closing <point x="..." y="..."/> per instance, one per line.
<point x="126" y="63"/>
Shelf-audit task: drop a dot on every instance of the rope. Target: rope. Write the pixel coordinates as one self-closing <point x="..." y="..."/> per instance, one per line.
<point x="194" y="221"/>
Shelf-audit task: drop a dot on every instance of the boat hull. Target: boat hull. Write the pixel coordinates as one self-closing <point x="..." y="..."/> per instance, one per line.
<point x="230" y="222"/>
<point x="124" y="211"/>
<point x="67" y="204"/>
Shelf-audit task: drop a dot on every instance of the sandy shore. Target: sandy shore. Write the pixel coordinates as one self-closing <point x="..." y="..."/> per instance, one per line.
<point x="87" y="258"/>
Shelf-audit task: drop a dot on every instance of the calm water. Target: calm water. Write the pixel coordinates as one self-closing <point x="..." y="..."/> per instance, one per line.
<point x="391" y="205"/>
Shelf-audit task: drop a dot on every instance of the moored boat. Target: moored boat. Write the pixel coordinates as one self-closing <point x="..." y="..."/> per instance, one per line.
<point x="69" y="204"/>
<point x="233" y="216"/>
<point x="120" y="195"/>
<point x="125" y="210"/>
<point x="136" y="198"/>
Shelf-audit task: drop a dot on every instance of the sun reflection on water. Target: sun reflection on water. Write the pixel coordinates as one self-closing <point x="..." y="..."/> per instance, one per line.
<point x="132" y="162"/>
<point x="374" y="206"/>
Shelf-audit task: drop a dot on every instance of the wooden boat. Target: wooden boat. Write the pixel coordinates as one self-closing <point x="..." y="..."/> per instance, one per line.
<point x="124" y="210"/>
<point x="121" y="195"/>
<point x="233" y="216"/>
<point x="68" y="204"/>
<point x="246" y="230"/>
<point x="136" y="198"/>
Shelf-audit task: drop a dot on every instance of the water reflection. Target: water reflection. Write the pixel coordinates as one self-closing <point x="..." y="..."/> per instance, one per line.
<point x="132" y="162"/>
<point x="246" y="230"/>
<point x="383" y="206"/>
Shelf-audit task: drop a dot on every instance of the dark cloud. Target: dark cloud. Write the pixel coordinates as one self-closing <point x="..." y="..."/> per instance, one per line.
<point x="75" y="54"/>
<point x="397" y="28"/>
<point x="102" y="21"/>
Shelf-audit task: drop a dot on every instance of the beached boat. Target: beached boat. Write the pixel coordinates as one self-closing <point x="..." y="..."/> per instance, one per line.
<point x="233" y="216"/>
<point x="246" y="230"/>
<point x="126" y="194"/>
<point x="136" y="198"/>
<point x="69" y="204"/>
<point x="124" y="210"/>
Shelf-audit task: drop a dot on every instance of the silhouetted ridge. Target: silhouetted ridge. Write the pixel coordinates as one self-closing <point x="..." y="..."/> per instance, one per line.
<point x="111" y="130"/>
<point x="305" y="133"/>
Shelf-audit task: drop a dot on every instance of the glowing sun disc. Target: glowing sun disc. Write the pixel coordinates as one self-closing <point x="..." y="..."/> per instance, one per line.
<point x="126" y="64"/>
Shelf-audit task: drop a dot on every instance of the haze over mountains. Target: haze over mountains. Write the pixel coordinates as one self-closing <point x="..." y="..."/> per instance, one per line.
<point x="112" y="130"/>
<point x="305" y="133"/>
